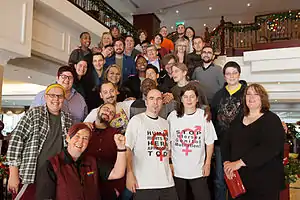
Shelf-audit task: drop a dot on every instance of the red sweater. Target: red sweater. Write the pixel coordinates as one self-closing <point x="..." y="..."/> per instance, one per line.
<point x="72" y="186"/>
<point x="102" y="146"/>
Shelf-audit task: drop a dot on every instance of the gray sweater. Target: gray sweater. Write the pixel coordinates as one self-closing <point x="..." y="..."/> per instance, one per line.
<point x="211" y="78"/>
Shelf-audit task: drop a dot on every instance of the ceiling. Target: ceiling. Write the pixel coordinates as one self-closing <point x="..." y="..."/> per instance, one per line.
<point x="196" y="13"/>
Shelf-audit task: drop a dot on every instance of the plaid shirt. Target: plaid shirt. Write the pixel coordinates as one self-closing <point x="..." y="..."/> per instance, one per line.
<point x="28" y="138"/>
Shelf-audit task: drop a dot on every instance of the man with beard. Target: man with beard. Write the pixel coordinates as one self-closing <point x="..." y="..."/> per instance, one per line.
<point x="134" y="82"/>
<point x="83" y="52"/>
<point x="103" y="148"/>
<point x="149" y="174"/>
<point x="180" y="31"/>
<point x="125" y="62"/>
<point x="108" y="94"/>
<point x="209" y="75"/>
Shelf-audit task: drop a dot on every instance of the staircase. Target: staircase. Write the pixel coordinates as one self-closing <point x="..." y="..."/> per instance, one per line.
<point x="278" y="30"/>
<point x="105" y="14"/>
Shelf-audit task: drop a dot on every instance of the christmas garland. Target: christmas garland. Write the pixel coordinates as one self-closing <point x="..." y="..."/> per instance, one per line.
<point x="291" y="169"/>
<point x="4" y="170"/>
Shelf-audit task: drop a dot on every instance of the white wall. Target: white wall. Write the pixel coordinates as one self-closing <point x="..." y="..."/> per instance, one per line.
<point x="56" y="28"/>
<point x="16" y="27"/>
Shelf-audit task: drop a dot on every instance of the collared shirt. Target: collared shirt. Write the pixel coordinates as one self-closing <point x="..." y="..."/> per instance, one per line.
<point x="75" y="105"/>
<point x="28" y="138"/>
<point x="155" y="63"/>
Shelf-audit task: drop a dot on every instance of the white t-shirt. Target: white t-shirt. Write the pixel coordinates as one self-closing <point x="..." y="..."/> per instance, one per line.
<point x="188" y="136"/>
<point x="150" y="160"/>
<point x="120" y="120"/>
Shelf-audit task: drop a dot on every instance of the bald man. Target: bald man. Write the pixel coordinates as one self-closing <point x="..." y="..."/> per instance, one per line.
<point x="149" y="176"/>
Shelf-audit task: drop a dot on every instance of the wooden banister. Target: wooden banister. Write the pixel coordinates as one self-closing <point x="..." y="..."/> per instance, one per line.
<point x="266" y="28"/>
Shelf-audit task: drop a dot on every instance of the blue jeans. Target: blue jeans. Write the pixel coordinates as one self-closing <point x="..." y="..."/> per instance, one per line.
<point x="219" y="181"/>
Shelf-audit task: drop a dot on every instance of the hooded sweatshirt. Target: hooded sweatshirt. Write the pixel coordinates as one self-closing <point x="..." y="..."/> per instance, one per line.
<point x="225" y="108"/>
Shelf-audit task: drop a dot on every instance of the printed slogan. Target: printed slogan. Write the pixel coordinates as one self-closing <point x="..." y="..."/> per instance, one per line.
<point x="157" y="144"/>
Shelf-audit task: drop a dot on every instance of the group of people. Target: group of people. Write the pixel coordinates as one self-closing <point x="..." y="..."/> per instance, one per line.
<point x="126" y="121"/>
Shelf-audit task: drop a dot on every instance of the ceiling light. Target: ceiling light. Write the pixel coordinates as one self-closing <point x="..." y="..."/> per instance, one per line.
<point x="29" y="77"/>
<point x="177" y="11"/>
<point x="209" y="8"/>
<point x="172" y="27"/>
<point x="204" y="24"/>
<point x="275" y="100"/>
<point x="240" y="22"/>
<point x="248" y="4"/>
<point x="278" y="83"/>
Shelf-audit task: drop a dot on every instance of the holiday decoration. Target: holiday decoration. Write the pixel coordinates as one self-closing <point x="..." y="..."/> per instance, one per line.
<point x="292" y="132"/>
<point x="291" y="169"/>
<point x="274" y="20"/>
<point x="4" y="170"/>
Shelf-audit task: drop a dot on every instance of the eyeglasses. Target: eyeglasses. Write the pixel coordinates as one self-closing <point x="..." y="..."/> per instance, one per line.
<point x="53" y="96"/>
<point x="228" y="74"/>
<point x="64" y="77"/>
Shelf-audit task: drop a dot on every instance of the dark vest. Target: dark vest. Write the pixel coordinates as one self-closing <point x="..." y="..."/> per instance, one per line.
<point x="69" y="184"/>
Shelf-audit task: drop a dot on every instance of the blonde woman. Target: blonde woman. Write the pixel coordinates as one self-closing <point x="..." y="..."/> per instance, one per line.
<point x="106" y="39"/>
<point x="114" y="74"/>
<point x="182" y="49"/>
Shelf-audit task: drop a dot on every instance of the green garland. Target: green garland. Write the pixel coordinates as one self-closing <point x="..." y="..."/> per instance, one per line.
<point x="292" y="15"/>
<point x="122" y="23"/>
<point x="291" y="170"/>
<point x="292" y="131"/>
<point x="3" y="168"/>
<point x="245" y="28"/>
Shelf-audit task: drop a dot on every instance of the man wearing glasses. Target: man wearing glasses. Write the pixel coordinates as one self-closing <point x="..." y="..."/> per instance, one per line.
<point x="73" y="103"/>
<point x="153" y="58"/>
<point x="209" y="74"/>
<point x="225" y="107"/>
<point x="40" y="134"/>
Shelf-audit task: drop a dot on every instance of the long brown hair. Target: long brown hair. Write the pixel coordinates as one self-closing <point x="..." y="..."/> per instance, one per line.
<point x="264" y="97"/>
<point x="180" y="108"/>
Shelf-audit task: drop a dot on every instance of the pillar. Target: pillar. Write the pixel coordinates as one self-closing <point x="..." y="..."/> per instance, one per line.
<point x="149" y="22"/>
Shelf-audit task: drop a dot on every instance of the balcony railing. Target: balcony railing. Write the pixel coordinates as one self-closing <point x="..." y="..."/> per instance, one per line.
<point x="105" y="14"/>
<point x="266" y="29"/>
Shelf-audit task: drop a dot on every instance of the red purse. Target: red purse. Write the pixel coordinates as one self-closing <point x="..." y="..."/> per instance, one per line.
<point x="235" y="185"/>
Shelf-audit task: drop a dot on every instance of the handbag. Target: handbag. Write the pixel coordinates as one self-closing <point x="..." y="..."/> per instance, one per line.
<point x="235" y="185"/>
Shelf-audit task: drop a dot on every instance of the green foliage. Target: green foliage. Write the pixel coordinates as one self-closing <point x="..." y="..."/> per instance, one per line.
<point x="3" y="168"/>
<point x="292" y="170"/>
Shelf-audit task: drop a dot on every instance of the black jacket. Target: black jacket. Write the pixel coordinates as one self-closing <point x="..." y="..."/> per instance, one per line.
<point x="193" y="61"/>
<point x="134" y="85"/>
<point x="165" y="83"/>
<point x="226" y="108"/>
